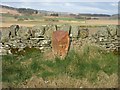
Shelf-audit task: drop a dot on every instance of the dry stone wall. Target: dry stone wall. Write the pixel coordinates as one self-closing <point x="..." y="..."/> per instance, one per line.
<point x="107" y="37"/>
<point x="19" y="37"/>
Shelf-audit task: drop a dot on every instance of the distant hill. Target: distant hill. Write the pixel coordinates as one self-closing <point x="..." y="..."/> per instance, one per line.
<point x="10" y="10"/>
<point x="27" y="11"/>
<point x="19" y="11"/>
<point x="114" y="16"/>
<point x="8" y="7"/>
<point x="95" y="15"/>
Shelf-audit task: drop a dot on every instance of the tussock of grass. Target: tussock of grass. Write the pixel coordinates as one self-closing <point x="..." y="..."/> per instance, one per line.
<point x="77" y="65"/>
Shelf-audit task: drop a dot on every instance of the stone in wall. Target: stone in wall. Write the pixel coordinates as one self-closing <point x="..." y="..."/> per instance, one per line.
<point x="66" y="27"/>
<point x="49" y="30"/>
<point x="45" y="42"/>
<point x="13" y="30"/>
<point x="74" y="32"/>
<point x="38" y="30"/>
<point x="23" y="33"/>
<point x="103" y="32"/>
<point x="84" y="33"/>
<point x="112" y="30"/>
<point x="118" y="30"/>
<point x="5" y="35"/>
<point x="58" y="27"/>
<point x="0" y="34"/>
<point x="3" y="51"/>
<point x="29" y="43"/>
<point x="102" y="35"/>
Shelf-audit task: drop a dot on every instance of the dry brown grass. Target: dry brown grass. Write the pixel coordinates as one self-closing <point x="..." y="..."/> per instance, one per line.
<point x="88" y="22"/>
<point x="20" y="24"/>
<point x="63" y="81"/>
<point x="101" y="22"/>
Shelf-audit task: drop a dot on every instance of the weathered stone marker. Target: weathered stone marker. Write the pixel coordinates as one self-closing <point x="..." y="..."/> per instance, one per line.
<point x="60" y="43"/>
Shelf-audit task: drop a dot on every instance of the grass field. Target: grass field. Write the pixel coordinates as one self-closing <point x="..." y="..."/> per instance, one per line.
<point x="8" y="19"/>
<point x="33" y="23"/>
<point x="85" y="64"/>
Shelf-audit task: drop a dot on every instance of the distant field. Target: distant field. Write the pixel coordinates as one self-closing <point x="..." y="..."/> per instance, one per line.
<point x="102" y="22"/>
<point x="31" y="20"/>
<point x="32" y="23"/>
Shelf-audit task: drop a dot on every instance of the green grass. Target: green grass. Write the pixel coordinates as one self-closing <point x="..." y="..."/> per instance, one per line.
<point x="68" y="19"/>
<point x="7" y="15"/>
<point x="87" y="64"/>
<point x="26" y="17"/>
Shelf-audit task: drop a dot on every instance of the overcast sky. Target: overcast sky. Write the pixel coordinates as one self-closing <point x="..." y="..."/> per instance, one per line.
<point x="96" y="7"/>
